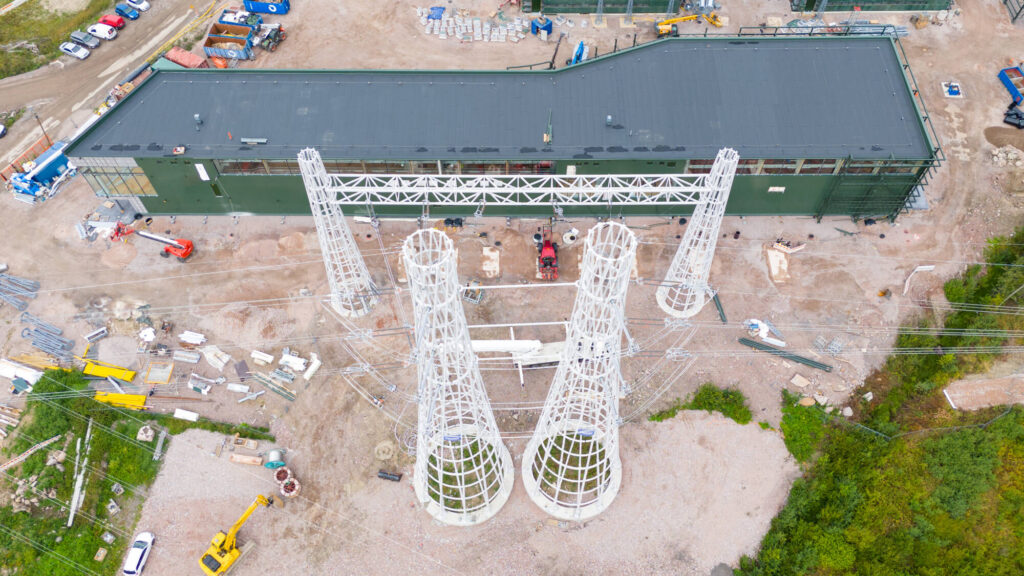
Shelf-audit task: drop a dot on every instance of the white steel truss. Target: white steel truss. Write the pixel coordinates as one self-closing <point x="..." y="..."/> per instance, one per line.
<point x="463" y="473"/>
<point x="519" y="190"/>
<point x="352" y="290"/>
<point x="685" y="289"/>
<point x="571" y="466"/>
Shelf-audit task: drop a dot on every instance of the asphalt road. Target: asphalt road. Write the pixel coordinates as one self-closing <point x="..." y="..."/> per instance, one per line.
<point x="65" y="93"/>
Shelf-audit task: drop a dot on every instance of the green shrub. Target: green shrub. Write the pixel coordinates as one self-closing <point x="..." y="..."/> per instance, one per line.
<point x="802" y="427"/>
<point x="730" y="402"/>
<point x="964" y="462"/>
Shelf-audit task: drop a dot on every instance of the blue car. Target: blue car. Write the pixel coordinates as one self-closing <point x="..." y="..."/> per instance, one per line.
<point x="126" y="11"/>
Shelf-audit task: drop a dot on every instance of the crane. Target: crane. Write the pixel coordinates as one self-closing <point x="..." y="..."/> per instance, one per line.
<point x="223" y="551"/>
<point x="669" y="27"/>
<point x="179" y="247"/>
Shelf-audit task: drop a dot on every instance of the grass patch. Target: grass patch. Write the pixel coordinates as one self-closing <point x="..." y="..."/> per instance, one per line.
<point x="472" y="464"/>
<point x="114" y="457"/>
<point x="729" y="401"/>
<point x="176" y="426"/>
<point x="569" y="465"/>
<point x="940" y="502"/>
<point x="32" y="24"/>
<point x="11" y="117"/>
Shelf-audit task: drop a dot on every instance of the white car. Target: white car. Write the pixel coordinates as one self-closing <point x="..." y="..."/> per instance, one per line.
<point x="140" y="5"/>
<point x="74" y="50"/>
<point x="102" y="31"/>
<point x="135" y="561"/>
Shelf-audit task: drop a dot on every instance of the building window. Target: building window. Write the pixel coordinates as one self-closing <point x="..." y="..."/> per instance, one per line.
<point x="699" y="166"/>
<point x="492" y="168"/>
<point x="748" y="166"/>
<point x="114" y="177"/>
<point x="531" y="167"/>
<point x="779" y="167"/>
<point x="818" y="166"/>
<point x="861" y="167"/>
<point x="424" y="167"/>
<point x="241" y="167"/>
<point x="343" y="166"/>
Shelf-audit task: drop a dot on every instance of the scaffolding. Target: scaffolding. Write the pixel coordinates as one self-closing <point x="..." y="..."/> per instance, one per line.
<point x="352" y="290"/>
<point x="571" y="466"/>
<point x="685" y="289"/>
<point x="463" y="473"/>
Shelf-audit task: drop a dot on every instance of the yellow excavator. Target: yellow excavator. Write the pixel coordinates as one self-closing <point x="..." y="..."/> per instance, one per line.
<point x="670" y="27"/>
<point x="223" y="551"/>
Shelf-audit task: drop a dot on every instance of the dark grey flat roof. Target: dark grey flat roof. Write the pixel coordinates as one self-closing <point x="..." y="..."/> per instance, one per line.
<point x="680" y="98"/>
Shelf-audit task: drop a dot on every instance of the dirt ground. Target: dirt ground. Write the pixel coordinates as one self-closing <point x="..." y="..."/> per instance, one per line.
<point x="257" y="283"/>
<point x="681" y="519"/>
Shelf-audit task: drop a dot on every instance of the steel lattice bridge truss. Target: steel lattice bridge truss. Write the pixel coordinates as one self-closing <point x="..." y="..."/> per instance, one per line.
<point x="521" y="190"/>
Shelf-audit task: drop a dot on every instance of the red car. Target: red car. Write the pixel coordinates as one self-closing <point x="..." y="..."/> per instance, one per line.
<point x="113" y="21"/>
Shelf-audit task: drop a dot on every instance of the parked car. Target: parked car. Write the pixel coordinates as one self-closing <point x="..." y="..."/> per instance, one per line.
<point x="103" y="31"/>
<point x="140" y="5"/>
<point x="112" y="21"/>
<point x="74" y="50"/>
<point x="126" y="11"/>
<point x="85" y="39"/>
<point x="3" y="130"/>
<point x="135" y="561"/>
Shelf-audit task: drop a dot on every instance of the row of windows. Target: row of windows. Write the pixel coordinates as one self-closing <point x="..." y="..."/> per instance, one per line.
<point x="810" y="166"/>
<point x="291" y="167"/>
<point x="746" y="166"/>
<point x="117" y="181"/>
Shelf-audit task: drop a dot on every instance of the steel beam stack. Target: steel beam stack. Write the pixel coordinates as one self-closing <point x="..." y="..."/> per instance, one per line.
<point x="14" y="290"/>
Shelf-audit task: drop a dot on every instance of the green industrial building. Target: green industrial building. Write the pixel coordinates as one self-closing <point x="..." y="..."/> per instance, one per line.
<point x="823" y="125"/>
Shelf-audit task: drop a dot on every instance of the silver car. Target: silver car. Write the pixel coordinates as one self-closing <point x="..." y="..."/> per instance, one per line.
<point x="74" y="50"/>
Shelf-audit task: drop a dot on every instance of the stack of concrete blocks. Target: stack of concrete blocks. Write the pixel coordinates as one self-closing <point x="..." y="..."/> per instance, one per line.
<point x="466" y="29"/>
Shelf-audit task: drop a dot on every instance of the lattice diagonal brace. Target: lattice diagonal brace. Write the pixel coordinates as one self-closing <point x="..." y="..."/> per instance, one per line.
<point x="685" y="289"/>
<point x="463" y="473"/>
<point x="352" y="289"/>
<point x="571" y="466"/>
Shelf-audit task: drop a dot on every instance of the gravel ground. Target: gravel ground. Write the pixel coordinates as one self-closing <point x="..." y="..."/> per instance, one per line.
<point x="698" y="490"/>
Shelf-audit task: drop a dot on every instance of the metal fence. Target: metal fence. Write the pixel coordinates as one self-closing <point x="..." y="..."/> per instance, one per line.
<point x="874" y="5"/>
<point x="607" y="6"/>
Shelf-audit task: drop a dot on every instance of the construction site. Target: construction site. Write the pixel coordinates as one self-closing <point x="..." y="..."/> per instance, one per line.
<point x="434" y="341"/>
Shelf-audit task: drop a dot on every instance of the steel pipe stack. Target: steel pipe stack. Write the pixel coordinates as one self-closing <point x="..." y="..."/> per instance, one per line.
<point x="14" y="290"/>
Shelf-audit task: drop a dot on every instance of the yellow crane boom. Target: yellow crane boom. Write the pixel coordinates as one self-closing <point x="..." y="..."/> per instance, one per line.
<point x="666" y="27"/>
<point x="223" y="551"/>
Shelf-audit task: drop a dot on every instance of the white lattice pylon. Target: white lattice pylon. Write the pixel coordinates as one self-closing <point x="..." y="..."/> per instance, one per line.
<point x="685" y="288"/>
<point x="352" y="289"/>
<point x="571" y="466"/>
<point x="463" y="474"/>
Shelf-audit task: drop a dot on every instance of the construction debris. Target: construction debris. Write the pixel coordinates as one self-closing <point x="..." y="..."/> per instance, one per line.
<point x="261" y="358"/>
<point x="186" y="415"/>
<point x="215" y="357"/>
<point x="186" y="356"/>
<point x="292" y="361"/>
<point x="314" y="365"/>
<point x="252" y="396"/>
<point x="193" y="338"/>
